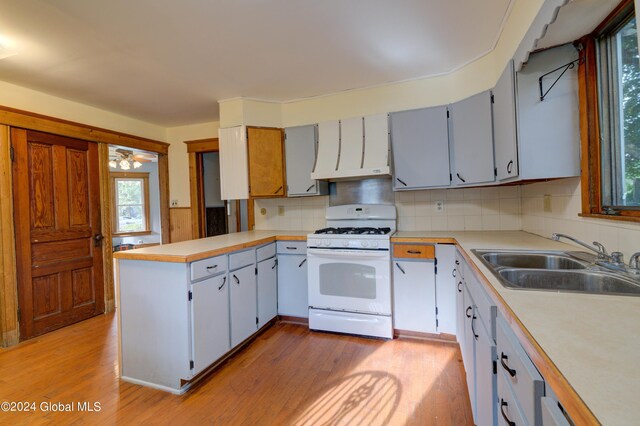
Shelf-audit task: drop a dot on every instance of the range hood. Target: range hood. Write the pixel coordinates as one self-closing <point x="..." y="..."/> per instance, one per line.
<point x="353" y="148"/>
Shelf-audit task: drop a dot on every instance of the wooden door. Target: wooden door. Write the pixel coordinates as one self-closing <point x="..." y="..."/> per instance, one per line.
<point x="266" y="162"/>
<point x="58" y="240"/>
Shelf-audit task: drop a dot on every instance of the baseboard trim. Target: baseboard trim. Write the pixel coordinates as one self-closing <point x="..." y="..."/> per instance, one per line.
<point x="293" y="320"/>
<point x="418" y="335"/>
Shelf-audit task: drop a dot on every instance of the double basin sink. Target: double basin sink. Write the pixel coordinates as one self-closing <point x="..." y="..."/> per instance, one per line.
<point x="556" y="271"/>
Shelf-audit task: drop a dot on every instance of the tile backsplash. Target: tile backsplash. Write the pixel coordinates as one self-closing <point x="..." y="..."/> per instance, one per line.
<point x="565" y="207"/>
<point x="474" y="209"/>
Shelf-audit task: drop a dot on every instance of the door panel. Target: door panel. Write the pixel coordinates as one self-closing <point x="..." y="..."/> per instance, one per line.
<point x="57" y="213"/>
<point x="266" y="162"/>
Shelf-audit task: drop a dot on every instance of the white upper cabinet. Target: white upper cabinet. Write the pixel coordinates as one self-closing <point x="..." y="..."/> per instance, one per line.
<point x="351" y="146"/>
<point x="300" y="154"/>
<point x="549" y="130"/>
<point x="328" y="150"/>
<point x="504" y="125"/>
<point x="376" y="143"/>
<point x="471" y="138"/>
<point x="234" y="166"/>
<point x="420" y="147"/>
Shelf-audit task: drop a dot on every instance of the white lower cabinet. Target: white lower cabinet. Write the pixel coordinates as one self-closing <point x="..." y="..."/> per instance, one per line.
<point x="244" y="316"/>
<point x="414" y="296"/>
<point x="267" y="290"/>
<point x="209" y="321"/>
<point x="446" y="276"/>
<point x="485" y="349"/>
<point x="293" y="294"/>
<point x="468" y="350"/>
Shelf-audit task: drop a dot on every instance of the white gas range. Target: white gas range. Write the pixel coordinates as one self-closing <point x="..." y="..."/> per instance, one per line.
<point x="350" y="271"/>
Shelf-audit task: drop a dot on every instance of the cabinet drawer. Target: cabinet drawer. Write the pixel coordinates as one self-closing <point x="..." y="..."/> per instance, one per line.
<point x="519" y="372"/>
<point x="486" y="308"/>
<point x="208" y="267"/>
<point x="292" y="247"/>
<point x="414" y="251"/>
<point x="240" y="259"/>
<point x="266" y="252"/>
<point x="551" y="414"/>
<point x="508" y="409"/>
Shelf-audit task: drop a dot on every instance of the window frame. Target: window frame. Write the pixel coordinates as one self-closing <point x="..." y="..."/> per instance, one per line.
<point x="114" y="205"/>
<point x="591" y="161"/>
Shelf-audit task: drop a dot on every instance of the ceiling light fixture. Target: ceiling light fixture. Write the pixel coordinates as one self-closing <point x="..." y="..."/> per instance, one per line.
<point x="113" y="164"/>
<point x="124" y="164"/>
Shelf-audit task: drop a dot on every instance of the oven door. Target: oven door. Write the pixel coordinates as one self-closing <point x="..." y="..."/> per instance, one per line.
<point x="350" y="280"/>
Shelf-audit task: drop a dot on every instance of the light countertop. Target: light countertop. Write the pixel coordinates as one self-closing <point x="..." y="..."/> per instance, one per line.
<point x="592" y="340"/>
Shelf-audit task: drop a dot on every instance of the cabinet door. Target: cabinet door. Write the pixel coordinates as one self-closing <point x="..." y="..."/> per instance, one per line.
<point x="420" y="147"/>
<point x="472" y="140"/>
<point x="468" y="354"/>
<point x="242" y="285"/>
<point x="234" y="173"/>
<point x="376" y="143"/>
<point x="266" y="162"/>
<point x="486" y="401"/>
<point x="414" y="296"/>
<point x="351" y="144"/>
<point x="209" y="321"/>
<point x="504" y="125"/>
<point x="267" y="291"/>
<point x="300" y="155"/>
<point x="293" y="299"/>
<point x="446" y="288"/>
<point x="328" y="149"/>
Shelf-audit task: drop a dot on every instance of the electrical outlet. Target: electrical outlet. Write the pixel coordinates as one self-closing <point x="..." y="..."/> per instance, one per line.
<point x="546" y="203"/>
<point x="174" y="203"/>
<point x="280" y="210"/>
<point x="263" y="211"/>
<point x="440" y="206"/>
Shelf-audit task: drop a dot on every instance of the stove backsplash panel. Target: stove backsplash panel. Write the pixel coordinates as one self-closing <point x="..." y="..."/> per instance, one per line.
<point x="363" y="191"/>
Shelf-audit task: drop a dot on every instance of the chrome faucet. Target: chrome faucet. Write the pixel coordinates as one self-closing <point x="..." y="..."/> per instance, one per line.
<point x="596" y="247"/>
<point x="634" y="263"/>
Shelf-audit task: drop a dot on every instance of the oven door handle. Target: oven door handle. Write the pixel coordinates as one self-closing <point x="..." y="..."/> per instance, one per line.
<point x="347" y="254"/>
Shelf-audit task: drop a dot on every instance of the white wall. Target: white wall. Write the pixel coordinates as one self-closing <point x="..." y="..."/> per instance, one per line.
<point x="179" y="159"/>
<point x="563" y="218"/>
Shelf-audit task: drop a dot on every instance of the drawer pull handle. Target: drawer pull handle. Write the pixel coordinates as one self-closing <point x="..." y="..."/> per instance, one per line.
<point x="414" y="252"/>
<point x="467" y="312"/>
<point x="504" y="358"/>
<point x="302" y="263"/>
<point x="503" y="404"/>
<point x="237" y="279"/>
<point x="309" y="188"/>
<point x="275" y="263"/>
<point x="473" y="330"/>
<point x="292" y="248"/>
<point x="211" y="267"/>
<point x="459" y="289"/>
<point x="224" y="280"/>
<point x="454" y="272"/>
<point x="400" y="267"/>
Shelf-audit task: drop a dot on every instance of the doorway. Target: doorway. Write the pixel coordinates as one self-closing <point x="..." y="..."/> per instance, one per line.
<point x="215" y="211"/>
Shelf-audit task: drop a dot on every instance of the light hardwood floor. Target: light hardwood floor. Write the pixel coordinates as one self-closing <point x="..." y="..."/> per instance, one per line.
<point x="288" y="375"/>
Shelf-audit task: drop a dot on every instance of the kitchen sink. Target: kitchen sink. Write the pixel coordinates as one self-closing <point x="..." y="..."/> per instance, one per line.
<point x="533" y="260"/>
<point x="556" y="271"/>
<point x="583" y="281"/>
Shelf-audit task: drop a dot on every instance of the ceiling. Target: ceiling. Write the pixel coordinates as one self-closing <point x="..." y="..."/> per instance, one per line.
<point x="168" y="62"/>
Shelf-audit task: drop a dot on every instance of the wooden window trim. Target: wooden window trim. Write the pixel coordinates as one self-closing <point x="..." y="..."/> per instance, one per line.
<point x="590" y="177"/>
<point x="114" y="216"/>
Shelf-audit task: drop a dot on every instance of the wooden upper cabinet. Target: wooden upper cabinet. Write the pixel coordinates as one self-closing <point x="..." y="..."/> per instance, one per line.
<point x="266" y="162"/>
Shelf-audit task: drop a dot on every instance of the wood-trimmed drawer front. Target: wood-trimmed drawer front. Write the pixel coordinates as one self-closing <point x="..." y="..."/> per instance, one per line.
<point x="208" y="267"/>
<point x="519" y="372"/>
<point x="508" y="409"/>
<point x="292" y="247"/>
<point x="243" y="258"/>
<point x="265" y="252"/>
<point x="414" y="251"/>
<point x="551" y="414"/>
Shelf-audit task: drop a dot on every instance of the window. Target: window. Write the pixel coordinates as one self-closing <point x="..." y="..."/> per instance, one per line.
<point x="130" y="195"/>
<point x="610" y="119"/>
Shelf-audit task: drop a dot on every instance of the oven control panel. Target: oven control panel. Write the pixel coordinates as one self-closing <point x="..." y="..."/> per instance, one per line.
<point x="351" y="243"/>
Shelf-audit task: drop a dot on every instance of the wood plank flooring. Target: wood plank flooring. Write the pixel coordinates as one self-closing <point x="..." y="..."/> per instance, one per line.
<point x="287" y="376"/>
